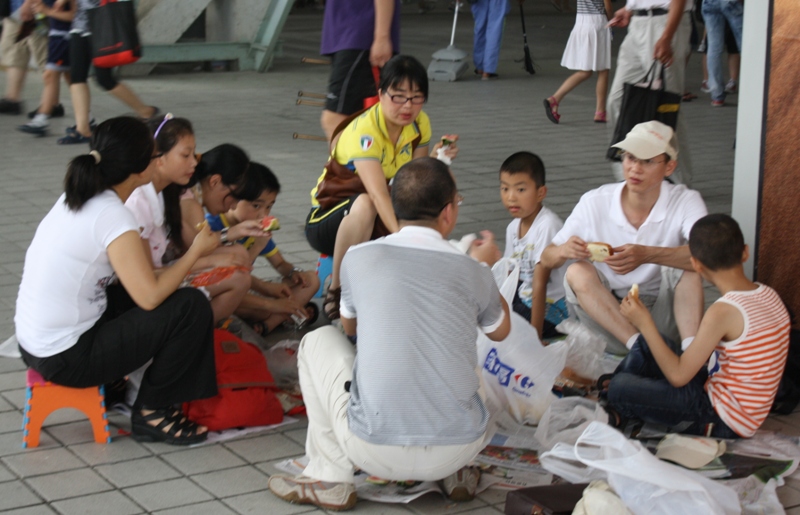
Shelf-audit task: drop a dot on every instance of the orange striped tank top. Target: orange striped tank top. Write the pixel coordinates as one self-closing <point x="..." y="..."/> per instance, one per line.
<point x="745" y="381"/>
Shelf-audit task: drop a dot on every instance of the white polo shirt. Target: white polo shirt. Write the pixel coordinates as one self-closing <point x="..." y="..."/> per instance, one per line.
<point x="598" y="216"/>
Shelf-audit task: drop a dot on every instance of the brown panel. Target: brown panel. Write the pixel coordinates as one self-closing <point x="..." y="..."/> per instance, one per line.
<point x="778" y="263"/>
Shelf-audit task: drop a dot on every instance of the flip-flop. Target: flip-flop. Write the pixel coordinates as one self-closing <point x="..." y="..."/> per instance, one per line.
<point x="549" y="104"/>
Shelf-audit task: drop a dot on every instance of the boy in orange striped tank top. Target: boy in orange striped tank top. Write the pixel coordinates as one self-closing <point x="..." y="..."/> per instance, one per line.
<point x="724" y="382"/>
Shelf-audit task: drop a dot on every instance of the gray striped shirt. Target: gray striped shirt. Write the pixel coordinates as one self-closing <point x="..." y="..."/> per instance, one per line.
<point x="419" y="304"/>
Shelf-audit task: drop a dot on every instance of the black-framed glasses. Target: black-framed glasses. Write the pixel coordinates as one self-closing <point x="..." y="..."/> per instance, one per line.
<point x="402" y="99"/>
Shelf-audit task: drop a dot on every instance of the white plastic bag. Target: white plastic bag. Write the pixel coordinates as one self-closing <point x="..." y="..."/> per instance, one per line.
<point x="566" y="419"/>
<point x="561" y="460"/>
<point x="282" y="364"/>
<point x="586" y="349"/>
<point x="519" y="371"/>
<point x="648" y="485"/>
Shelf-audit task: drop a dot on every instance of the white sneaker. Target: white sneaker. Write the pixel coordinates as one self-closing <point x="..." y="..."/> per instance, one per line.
<point x="704" y="87"/>
<point x="462" y="485"/>
<point x="730" y="87"/>
<point x="304" y="490"/>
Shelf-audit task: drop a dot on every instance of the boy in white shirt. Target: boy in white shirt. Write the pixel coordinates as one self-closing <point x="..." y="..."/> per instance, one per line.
<point x="522" y="190"/>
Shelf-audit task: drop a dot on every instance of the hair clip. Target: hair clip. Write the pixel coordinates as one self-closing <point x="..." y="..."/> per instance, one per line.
<point x="167" y="117"/>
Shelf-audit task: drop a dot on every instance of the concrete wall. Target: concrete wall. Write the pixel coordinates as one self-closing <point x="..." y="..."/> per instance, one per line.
<point x="234" y="20"/>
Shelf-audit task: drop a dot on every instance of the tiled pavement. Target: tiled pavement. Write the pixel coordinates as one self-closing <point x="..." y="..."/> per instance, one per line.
<point x="69" y="473"/>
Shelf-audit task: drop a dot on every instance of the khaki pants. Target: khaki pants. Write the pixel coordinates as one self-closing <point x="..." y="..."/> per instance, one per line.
<point x="325" y="363"/>
<point x="634" y="59"/>
<point x="660" y="306"/>
<point x="17" y="54"/>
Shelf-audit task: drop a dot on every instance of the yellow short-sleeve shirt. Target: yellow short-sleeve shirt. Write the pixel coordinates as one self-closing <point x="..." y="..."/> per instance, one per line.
<point x="366" y="138"/>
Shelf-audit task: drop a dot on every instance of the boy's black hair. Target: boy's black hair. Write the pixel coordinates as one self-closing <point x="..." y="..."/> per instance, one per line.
<point x="257" y="179"/>
<point x="525" y="162"/>
<point x="421" y="189"/>
<point x="717" y="242"/>
<point x="401" y="68"/>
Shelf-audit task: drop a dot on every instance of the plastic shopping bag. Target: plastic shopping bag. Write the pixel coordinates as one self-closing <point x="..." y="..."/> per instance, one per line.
<point x="519" y="371"/>
<point x="561" y="461"/>
<point x="586" y="349"/>
<point x="282" y="363"/>
<point x="646" y="484"/>
<point x="566" y="419"/>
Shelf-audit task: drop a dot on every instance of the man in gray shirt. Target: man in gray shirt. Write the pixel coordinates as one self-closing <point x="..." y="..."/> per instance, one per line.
<point x="413" y="407"/>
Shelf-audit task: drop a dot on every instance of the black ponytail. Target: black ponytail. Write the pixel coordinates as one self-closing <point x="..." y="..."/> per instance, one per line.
<point x="120" y="147"/>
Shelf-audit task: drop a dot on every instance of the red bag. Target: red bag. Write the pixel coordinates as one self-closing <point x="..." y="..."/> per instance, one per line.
<point x="115" y="41"/>
<point x="246" y="395"/>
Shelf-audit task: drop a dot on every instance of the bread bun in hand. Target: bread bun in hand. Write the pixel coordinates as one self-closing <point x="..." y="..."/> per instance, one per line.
<point x="599" y="251"/>
<point x="202" y="224"/>
<point x="635" y="291"/>
<point x="270" y="223"/>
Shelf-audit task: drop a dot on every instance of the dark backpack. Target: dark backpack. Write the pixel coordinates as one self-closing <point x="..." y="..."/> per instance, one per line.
<point x="788" y="396"/>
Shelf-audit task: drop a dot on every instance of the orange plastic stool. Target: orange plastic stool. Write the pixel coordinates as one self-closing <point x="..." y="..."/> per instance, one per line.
<point x="43" y="397"/>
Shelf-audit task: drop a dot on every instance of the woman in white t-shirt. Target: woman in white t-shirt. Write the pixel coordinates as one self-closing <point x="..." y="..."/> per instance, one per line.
<point x="77" y="328"/>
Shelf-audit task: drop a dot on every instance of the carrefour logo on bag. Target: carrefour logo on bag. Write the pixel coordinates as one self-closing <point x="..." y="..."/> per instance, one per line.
<point x="523" y="381"/>
<point x="496" y="367"/>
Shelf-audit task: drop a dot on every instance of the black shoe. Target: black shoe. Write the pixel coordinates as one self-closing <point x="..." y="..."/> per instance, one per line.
<point x="58" y="112"/>
<point x="37" y="130"/>
<point x="10" y="106"/>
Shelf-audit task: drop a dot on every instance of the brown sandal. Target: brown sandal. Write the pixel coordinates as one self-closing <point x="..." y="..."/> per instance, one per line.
<point x="330" y="306"/>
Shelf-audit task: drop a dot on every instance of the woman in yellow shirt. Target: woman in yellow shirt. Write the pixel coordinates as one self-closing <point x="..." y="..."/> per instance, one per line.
<point x="374" y="145"/>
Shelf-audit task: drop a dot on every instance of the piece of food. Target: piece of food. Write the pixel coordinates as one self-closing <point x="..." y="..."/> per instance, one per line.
<point x="201" y="225"/>
<point x="270" y="223"/>
<point x="635" y="291"/>
<point x="599" y="251"/>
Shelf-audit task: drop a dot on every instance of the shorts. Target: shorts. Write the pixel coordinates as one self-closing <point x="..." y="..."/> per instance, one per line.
<point x="322" y="226"/>
<point x="57" y="54"/>
<point x="350" y="82"/>
<point x="555" y="313"/>
<point x="17" y="54"/>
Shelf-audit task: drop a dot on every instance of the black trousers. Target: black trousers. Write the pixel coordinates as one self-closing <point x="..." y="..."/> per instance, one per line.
<point x="178" y="335"/>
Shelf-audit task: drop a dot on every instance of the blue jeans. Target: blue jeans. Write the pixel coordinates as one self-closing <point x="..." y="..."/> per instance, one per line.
<point x="639" y="390"/>
<point x="715" y="12"/>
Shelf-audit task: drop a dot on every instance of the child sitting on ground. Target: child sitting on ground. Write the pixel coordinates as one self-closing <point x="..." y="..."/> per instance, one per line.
<point x="278" y="301"/>
<point x="522" y="190"/>
<point x="744" y="338"/>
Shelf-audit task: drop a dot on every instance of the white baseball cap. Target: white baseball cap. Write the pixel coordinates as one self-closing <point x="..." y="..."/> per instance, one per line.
<point x="650" y="139"/>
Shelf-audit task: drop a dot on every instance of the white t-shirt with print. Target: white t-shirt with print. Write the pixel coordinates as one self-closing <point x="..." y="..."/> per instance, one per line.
<point x="527" y="251"/>
<point x="147" y="207"/>
<point x="598" y="216"/>
<point x="63" y="289"/>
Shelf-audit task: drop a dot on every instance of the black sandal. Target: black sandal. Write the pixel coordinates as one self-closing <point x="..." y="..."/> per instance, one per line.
<point x="174" y="428"/>
<point x="602" y="385"/>
<point x="330" y="306"/>
<point x="313" y="313"/>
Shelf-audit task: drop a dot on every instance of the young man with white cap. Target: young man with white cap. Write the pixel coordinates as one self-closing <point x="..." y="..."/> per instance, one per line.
<point x="646" y="220"/>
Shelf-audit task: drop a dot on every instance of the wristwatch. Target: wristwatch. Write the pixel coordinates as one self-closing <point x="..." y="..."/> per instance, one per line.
<point x="223" y="236"/>
<point x="295" y="269"/>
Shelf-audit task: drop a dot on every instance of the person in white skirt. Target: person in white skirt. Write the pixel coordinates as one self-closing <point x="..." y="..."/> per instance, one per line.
<point x="588" y="50"/>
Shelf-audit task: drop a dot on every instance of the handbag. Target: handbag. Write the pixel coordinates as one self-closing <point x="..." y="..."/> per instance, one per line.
<point x="115" y="41"/>
<point x="340" y="183"/>
<point x="642" y="103"/>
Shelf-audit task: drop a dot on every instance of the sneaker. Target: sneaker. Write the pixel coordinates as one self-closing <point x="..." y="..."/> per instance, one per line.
<point x="10" y="106"/>
<point x="37" y="126"/>
<point x="717" y="103"/>
<point x="704" y="87"/>
<point x="58" y="112"/>
<point x="730" y="87"/>
<point x="73" y="129"/>
<point x="304" y="490"/>
<point x="461" y="486"/>
<point x="73" y="138"/>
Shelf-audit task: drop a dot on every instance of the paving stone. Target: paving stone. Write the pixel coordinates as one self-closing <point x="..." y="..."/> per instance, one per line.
<point x="167" y="494"/>
<point x="229" y="482"/>
<point x="206" y="508"/>
<point x="14" y="494"/>
<point x="39" y="462"/>
<point x="120" y="449"/>
<point x="203" y="459"/>
<point x="39" y="509"/>
<point x="257" y="503"/>
<point x="6" y="474"/>
<point x="11" y="443"/>
<point x="264" y="448"/>
<point x="73" y="483"/>
<point x="72" y="432"/>
<point x="137" y="472"/>
<point x="99" y="504"/>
